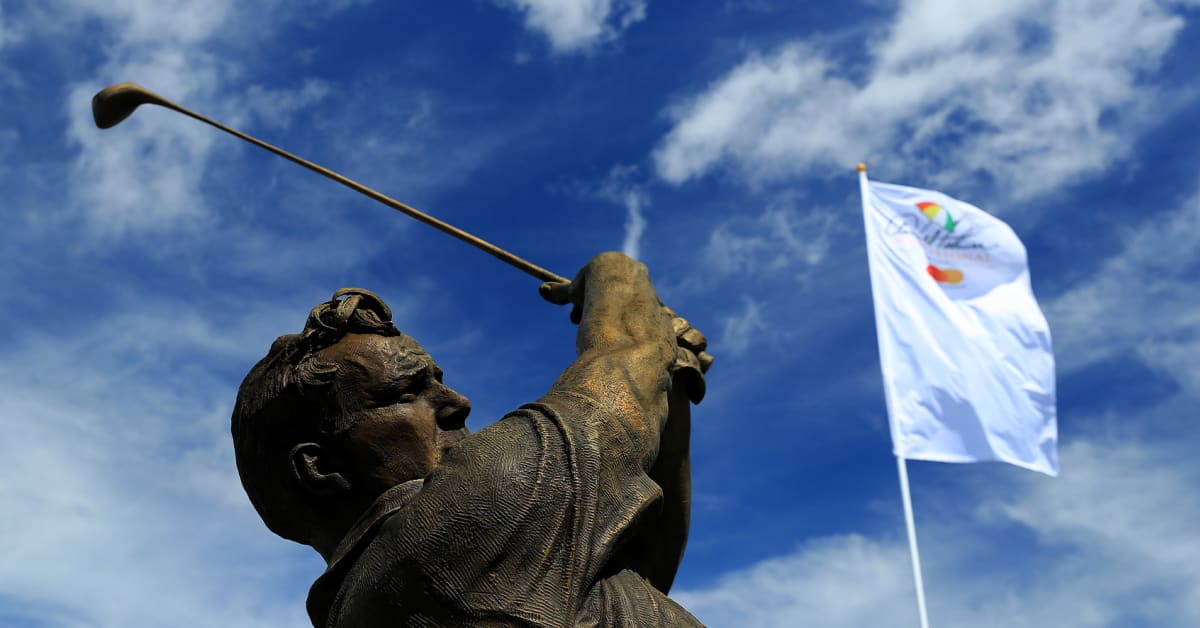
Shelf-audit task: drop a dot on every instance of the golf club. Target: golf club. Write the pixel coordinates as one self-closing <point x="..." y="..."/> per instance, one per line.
<point x="113" y="104"/>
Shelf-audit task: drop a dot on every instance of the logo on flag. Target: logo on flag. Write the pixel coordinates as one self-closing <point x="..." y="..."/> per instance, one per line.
<point x="965" y="351"/>
<point x="937" y="215"/>
<point x="951" y="276"/>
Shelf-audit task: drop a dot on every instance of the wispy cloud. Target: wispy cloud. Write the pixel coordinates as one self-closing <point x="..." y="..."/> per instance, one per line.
<point x="125" y="502"/>
<point x="123" y="495"/>
<point x="159" y="175"/>
<point x="833" y="581"/>
<point x="116" y="195"/>
<point x="275" y="107"/>
<point x="10" y="33"/>
<point x="122" y="488"/>
<point x="622" y="187"/>
<point x="579" y="25"/>
<point x="1139" y="300"/>
<point x="1032" y="93"/>
<point x="149" y="23"/>
<point x="1117" y="525"/>
<point x="635" y="225"/>
<point x="780" y="238"/>
<point x="739" y="330"/>
<point x="146" y="176"/>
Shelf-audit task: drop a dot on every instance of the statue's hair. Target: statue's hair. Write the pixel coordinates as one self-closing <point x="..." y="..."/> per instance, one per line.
<point x="291" y="395"/>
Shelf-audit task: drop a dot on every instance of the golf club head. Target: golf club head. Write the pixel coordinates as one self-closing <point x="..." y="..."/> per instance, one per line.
<point x="114" y="103"/>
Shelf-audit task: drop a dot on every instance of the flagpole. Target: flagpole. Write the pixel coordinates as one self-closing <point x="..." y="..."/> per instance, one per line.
<point x="901" y="463"/>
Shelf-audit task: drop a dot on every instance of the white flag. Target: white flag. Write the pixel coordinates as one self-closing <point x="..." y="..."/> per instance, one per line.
<point x="967" y="365"/>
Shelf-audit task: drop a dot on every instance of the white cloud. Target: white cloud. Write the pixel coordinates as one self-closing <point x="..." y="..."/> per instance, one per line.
<point x="1035" y="93"/>
<point x="116" y="193"/>
<point x="147" y="175"/>
<point x="182" y="22"/>
<point x="779" y="238"/>
<point x="275" y="107"/>
<point x="10" y="34"/>
<point x="739" y="330"/>
<point x="790" y="260"/>
<point x="830" y="582"/>
<point x="121" y="496"/>
<point x="635" y="225"/>
<point x="579" y="25"/>
<point x="1116" y="547"/>
<point x="1142" y="299"/>
<point x="621" y="187"/>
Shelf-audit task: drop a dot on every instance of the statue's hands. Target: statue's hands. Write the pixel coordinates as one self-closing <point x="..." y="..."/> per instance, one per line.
<point x="562" y="293"/>
<point x="691" y="359"/>
<point x="610" y="267"/>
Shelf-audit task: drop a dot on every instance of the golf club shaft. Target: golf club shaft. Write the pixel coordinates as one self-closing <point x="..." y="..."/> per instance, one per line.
<point x="483" y="245"/>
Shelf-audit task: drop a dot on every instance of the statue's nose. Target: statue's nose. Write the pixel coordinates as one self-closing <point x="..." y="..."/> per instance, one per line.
<point x="453" y="409"/>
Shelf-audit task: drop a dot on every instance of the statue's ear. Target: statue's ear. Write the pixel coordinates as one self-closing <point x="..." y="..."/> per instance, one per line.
<point x="312" y="467"/>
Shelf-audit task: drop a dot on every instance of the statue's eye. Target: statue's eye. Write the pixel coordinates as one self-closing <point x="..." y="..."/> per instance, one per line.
<point x="402" y="390"/>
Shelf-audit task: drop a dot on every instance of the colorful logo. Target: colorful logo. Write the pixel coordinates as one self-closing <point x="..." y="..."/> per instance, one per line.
<point x="937" y="215"/>
<point x="945" y="275"/>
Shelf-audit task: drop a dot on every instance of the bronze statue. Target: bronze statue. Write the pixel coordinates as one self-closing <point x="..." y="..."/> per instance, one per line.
<point x="570" y="511"/>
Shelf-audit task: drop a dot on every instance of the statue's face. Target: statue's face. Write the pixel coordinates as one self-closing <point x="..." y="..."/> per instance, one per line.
<point x="404" y="417"/>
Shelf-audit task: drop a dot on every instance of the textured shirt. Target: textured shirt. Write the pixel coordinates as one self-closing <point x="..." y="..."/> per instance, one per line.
<point x="522" y="524"/>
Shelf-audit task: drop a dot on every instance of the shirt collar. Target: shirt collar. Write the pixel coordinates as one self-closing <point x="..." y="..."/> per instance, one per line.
<point x="324" y="591"/>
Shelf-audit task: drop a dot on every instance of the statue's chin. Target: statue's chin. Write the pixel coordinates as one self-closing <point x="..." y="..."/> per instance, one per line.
<point x="451" y="438"/>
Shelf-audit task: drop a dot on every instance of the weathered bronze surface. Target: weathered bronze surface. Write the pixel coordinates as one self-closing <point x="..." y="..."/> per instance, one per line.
<point x="570" y="511"/>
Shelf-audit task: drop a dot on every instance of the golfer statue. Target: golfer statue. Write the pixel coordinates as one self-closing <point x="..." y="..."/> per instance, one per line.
<point x="570" y="511"/>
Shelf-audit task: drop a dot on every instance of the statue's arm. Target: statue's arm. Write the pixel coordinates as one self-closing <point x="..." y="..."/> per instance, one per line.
<point x="646" y="365"/>
<point x="625" y="347"/>
<point x="656" y="552"/>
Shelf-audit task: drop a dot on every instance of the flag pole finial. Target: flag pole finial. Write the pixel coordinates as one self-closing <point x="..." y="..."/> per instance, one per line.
<point x="862" y="167"/>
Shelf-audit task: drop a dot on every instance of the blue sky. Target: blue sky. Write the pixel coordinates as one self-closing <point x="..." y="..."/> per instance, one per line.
<point x="147" y="267"/>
